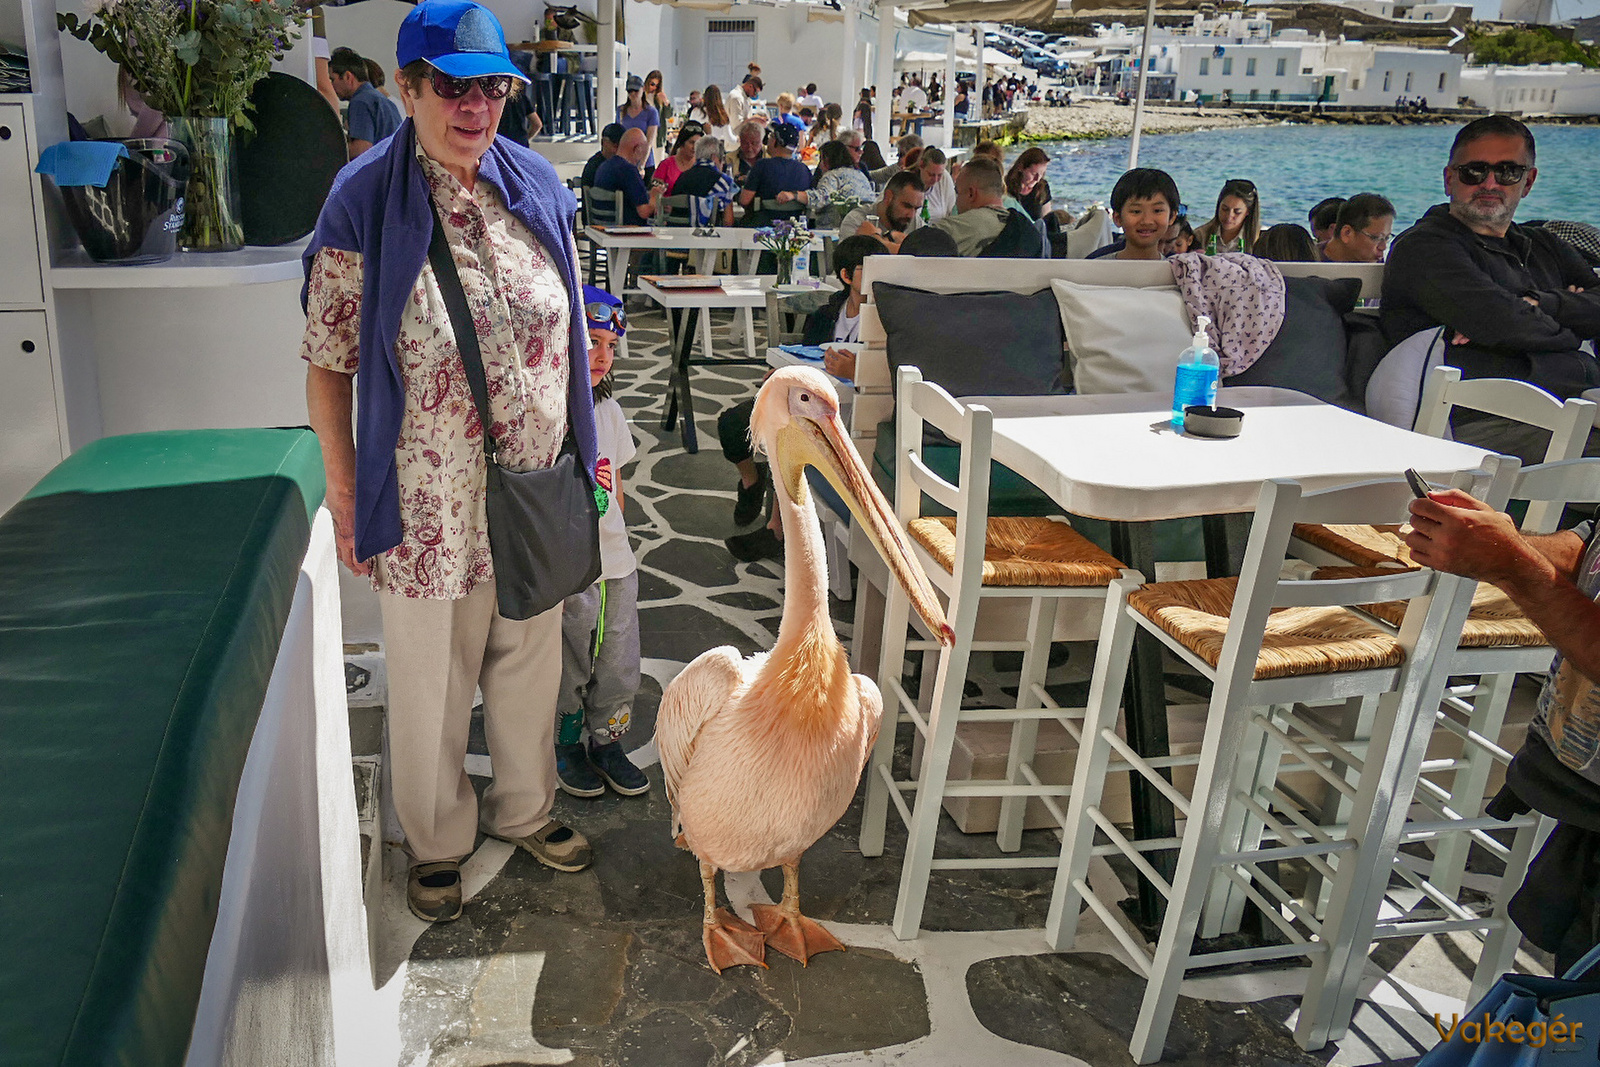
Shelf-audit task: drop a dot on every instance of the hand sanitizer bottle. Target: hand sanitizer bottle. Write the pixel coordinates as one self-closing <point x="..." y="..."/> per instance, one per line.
<point x="1196" y="383"/>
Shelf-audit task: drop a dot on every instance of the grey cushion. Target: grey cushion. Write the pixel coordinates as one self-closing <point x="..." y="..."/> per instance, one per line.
<point x="975" y="344"/>
<point x="1309" y="353"/>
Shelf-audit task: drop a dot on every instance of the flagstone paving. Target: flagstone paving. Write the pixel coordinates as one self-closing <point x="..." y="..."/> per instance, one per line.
<point x="605" y="967"/>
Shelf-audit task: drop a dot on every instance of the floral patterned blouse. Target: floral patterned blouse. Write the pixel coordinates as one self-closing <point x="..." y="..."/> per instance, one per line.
<point x="521" y="308"/>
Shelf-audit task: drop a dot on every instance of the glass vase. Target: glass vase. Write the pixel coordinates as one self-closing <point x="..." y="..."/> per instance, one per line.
<point x="211" y="202"/>
<point x="785" y="270"/>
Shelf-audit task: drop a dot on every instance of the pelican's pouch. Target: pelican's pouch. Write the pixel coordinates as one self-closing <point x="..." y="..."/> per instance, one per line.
<point x="544" y="525"/>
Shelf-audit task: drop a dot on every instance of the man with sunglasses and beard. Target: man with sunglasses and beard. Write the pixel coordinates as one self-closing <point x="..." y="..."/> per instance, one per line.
<point x="1516" y="302"/>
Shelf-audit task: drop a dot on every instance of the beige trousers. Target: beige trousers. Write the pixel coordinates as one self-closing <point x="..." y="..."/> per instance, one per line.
<point x="435" y="653"/>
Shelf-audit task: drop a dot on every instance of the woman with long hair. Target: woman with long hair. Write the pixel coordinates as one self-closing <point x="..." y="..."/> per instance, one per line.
<point x="637" y="114"/>
<point x="861" y="118"/>
<point x="716" y="115"/>
<point x="1236" y="225"/>
<point x="1025" y="182"/>
<point x="872" y="156"/>
<point x="659" y="100"/>
<point x="826" y="128"/>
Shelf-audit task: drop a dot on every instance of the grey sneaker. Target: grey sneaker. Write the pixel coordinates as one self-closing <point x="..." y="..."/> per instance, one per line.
<point x="433" y="891"/>
<point x="555" y="845"/>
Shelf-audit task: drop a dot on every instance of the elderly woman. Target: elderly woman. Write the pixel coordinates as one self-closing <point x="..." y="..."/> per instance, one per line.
<point x="840" y="187"/>
<point x="407" y="490"/>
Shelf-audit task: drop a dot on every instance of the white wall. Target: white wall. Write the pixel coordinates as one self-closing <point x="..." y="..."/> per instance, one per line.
<point x="1378" y="75"/>
<point x="1291" y="85"/>
<point x="1550" y="89"/>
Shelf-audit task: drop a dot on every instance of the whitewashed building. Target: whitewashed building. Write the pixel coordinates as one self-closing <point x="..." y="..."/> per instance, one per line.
<point x="1546" y="89"/>
<point x="1289" y="69"/>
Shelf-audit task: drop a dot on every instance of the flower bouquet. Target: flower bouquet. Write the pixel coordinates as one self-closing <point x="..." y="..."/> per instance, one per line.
<point x="197" y="61"/>
<point x="785" y="239"/>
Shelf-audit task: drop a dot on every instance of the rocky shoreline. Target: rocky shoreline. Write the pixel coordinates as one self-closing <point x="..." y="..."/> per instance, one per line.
<point x="1093" y="119"/>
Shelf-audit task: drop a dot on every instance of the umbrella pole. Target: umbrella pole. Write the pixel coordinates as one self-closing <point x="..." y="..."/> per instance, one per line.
<point x="1144" y="72"/>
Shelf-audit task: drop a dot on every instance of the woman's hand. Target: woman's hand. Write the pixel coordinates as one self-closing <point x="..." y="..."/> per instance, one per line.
<point x="342" y="506"/>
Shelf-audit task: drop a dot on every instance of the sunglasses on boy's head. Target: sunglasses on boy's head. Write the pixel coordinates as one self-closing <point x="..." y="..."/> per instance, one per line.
<point x="1505" y="172"/>
<point x="494" y="86"/>
<point x="607" y="313"/>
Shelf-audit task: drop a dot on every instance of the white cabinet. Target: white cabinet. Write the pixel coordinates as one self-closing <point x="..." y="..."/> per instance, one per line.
<point x="32" y="440"/>
<point x="21" y="284"/>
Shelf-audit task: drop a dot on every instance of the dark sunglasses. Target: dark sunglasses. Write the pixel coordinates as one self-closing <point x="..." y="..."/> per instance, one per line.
<point x="1506" y="173"/>
<point x="607" y="313"/>
<point x="494" y="86"/>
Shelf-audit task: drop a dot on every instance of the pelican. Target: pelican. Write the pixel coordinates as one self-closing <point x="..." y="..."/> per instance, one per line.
<point x="762" y="755"/>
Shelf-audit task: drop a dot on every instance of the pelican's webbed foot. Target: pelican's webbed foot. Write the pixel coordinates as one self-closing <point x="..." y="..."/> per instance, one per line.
<point x="731" y="942"/>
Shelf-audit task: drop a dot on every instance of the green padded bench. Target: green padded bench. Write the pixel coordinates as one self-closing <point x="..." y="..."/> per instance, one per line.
<point x="144" y="588"/>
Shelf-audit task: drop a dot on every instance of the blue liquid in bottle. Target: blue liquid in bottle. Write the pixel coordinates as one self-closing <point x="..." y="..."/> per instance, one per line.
<point x="1196" y="382"/>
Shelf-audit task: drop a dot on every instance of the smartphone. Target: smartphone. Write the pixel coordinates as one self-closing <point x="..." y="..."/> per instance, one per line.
<point x="1418" y="486"/>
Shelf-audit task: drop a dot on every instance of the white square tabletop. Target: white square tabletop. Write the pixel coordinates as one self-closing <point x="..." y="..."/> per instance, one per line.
<point x="1117" y="457"/>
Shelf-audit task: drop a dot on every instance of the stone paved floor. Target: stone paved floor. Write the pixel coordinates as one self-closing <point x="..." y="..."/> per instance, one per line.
<point x="606" y="966"/>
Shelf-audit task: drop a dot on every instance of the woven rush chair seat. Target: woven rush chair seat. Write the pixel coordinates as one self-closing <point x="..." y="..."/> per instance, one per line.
<point x="1298" y="641"/>
<point x="1024" y="551"/>
<point x="1494" y="621"/>
<point x="1364" y="546"/>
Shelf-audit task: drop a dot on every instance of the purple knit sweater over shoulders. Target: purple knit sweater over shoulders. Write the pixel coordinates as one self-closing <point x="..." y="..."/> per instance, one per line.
<point x="379" y="207"/>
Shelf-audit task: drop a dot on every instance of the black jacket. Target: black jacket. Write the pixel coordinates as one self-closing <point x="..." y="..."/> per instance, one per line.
<point x="1441" y="273"/>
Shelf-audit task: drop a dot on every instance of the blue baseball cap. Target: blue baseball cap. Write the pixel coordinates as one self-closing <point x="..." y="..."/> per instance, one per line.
<point x="604" y="311"/>
<point x="458" y="37"/>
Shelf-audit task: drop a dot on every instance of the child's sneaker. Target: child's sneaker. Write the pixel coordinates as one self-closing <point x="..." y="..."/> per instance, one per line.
<point x="575" y="774"/>
<point x="618" y="770"/>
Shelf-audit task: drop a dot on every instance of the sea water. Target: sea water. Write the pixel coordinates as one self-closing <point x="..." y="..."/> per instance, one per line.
<point x="1296" y="166"/>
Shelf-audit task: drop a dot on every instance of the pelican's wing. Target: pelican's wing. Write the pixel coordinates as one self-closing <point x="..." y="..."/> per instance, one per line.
<point x="700" y="691"/>
<point x="871" y="714"/>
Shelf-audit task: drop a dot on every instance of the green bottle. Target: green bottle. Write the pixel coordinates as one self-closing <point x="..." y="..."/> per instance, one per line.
<point x="1211" y="244"/>
<point x="925" y="216"/>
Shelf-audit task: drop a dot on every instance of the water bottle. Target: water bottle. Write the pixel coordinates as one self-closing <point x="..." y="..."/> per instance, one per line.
<point x="1196" y="383"/>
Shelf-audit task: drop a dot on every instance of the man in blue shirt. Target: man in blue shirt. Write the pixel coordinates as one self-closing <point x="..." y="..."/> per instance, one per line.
<point x="623" y="173"/>
<point x="779" y="177"/>
<point x="373" y="116"/>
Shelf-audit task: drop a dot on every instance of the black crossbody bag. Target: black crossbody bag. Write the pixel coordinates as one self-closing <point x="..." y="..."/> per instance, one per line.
<point x="544" y="525"/>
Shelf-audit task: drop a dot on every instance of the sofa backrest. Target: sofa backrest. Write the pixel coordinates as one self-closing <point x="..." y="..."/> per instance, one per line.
<point x="874" y="383"/>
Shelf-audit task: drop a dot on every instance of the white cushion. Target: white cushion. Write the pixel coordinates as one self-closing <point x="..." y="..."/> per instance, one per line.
<point x="1394" y="392"/>
<point x="1123" y="339"/>
<point x="1092" y="231"/>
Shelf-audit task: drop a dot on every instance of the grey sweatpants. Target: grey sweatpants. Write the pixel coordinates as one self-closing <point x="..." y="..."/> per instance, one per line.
<point x="598" y="685"/>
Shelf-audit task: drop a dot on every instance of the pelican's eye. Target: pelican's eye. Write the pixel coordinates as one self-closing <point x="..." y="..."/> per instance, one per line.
<point x="805" y="398"/>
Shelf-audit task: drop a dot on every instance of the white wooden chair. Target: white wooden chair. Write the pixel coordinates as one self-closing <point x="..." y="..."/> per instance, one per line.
<point x="1261" y="662"/>
<point x="1442" y="814"/>
<point x="1493" y="647"/>
<point x="971" y="556"/>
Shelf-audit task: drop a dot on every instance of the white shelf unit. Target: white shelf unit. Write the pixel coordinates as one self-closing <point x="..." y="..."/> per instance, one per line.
<point x="186" y="270"/>
<point x="47" y="406"/>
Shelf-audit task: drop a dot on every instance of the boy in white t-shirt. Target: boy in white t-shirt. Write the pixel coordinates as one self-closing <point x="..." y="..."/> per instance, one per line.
<point x="600" y="625"/>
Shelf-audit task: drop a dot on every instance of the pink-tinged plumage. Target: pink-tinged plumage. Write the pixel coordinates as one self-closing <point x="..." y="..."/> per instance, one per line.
<point x="763" y="755"/>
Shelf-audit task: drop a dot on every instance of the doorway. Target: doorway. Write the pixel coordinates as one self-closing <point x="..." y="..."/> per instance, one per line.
<point x="730" y="46"/>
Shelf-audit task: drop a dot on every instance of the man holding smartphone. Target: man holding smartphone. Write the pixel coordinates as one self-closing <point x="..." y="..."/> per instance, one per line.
<point x="1554" y="579"/>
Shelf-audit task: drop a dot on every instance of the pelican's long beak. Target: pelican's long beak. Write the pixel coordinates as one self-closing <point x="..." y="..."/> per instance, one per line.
<point x="833" y="454"/>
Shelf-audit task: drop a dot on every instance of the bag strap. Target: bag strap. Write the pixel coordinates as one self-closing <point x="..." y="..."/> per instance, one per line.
<point x="462" y="324"/>
<point x="1583" y="966"/>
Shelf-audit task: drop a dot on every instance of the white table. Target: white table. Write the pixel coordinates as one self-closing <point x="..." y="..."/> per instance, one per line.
<point x="620" y="247"/>
<point x="1117" y="457"/>
<point x="734" y="291"/>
